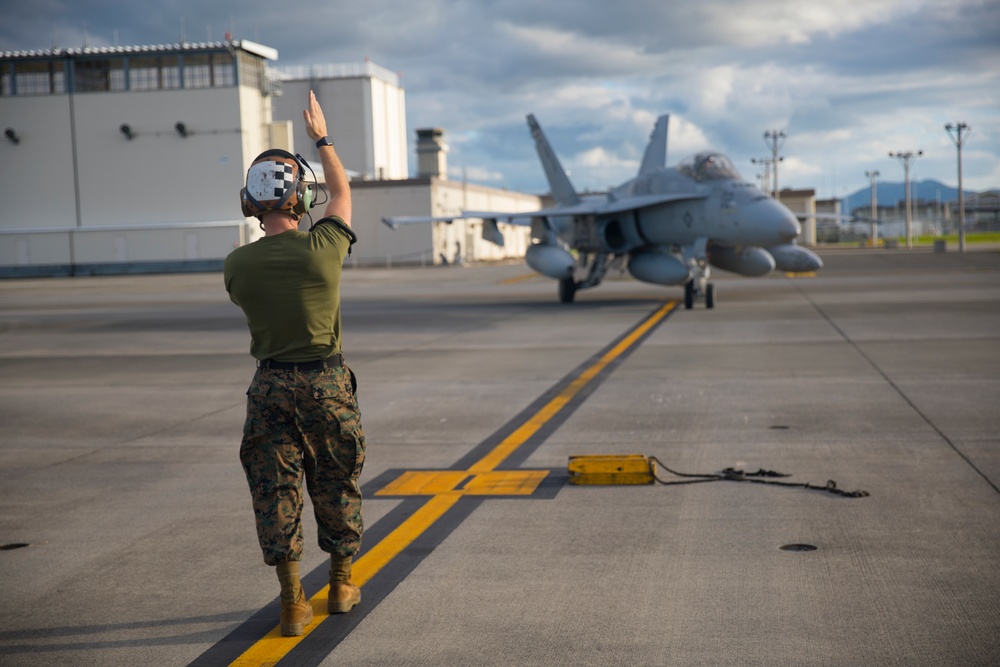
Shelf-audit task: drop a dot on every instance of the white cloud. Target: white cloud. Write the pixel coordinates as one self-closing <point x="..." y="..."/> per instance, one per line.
<point x="716" y="88"/>
<point x="684" y="138"/>
<point x="794" y="21"/>
<point x="847" y="79"/>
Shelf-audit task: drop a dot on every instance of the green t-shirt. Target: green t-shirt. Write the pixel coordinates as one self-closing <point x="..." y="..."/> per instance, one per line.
<point x="288" y="286"/>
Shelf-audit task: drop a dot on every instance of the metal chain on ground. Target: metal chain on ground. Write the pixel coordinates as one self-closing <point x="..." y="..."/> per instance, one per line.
<point x="735" y="475"/>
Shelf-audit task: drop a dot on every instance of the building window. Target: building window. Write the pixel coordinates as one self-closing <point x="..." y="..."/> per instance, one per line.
<point x="154" y="73"/>
<point x="100" y="75"/>
<point x="198" y="71"/>
<point x="170" y="72"/>
<point x="252" y="71"/>
<point x="223" y="70"/>
<point x="144" y="73"/>
<point x="91" y="74"/>
<point x="35" y="77"/>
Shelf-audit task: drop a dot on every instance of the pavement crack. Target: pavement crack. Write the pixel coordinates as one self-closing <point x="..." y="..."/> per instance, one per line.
<point x="896" y="388"/>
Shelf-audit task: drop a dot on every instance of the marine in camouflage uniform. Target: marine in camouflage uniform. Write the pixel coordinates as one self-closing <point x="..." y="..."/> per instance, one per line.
<point x="302" y="421"/>
<point x="304" y="425"/>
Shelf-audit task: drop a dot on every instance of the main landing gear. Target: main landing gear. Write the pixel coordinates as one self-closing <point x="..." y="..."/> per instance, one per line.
<point x="567" y="290"/>
<point x="595" y="273"/>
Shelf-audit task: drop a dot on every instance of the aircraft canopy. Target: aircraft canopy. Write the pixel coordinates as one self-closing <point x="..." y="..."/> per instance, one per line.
<point x="708" y="167"/>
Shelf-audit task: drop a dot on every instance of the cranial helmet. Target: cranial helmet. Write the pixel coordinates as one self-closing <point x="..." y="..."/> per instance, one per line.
<point x="275" y="182"/>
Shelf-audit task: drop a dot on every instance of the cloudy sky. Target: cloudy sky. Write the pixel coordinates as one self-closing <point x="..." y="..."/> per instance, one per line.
<point x="846" y="80"/>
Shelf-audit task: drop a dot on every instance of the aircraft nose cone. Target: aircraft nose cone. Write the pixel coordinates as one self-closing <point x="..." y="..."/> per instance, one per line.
<point x="772" y="220"/>
<point x="788" y="226"/>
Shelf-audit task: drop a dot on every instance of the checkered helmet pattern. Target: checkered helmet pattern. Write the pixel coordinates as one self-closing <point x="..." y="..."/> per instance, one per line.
<point x="271" y="184"/>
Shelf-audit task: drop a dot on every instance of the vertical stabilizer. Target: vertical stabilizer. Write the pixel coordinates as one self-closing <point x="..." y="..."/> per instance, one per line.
<point x="655" y="156"/>
<point x="562" y="189"/>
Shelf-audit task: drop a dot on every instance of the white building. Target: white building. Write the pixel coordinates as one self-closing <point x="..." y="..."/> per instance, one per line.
<point x="128" y="158"/>
<point x="131" y="159"/>
<point x="365" y="110"/>
<point x="802" y="203"/>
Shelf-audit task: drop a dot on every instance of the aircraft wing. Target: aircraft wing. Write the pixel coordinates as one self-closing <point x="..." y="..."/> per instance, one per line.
<point x="584" y="208"/>
<point x="840" y="217"/>
<point x="645" y="201"/>
<point x="588" y="208"/>
<point x="395" y="221"/>
<point x="491" y="232"/>
<point x="610" y="206"/>
<point x="523" y="219"/>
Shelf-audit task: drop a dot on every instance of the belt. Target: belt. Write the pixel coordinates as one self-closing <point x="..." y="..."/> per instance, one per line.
<point x="322" y="364"/>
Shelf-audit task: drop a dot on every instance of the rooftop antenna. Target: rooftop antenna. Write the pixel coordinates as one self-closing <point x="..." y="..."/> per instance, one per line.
<point x="183" y="36"/>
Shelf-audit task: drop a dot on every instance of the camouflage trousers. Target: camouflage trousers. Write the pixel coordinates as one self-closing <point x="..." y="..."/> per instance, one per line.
<point x="304" y="425"/>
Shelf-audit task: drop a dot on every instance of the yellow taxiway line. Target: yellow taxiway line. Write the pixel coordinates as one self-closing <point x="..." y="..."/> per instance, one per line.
<point x="273" y="647"/>
<point x="518" y="279"/>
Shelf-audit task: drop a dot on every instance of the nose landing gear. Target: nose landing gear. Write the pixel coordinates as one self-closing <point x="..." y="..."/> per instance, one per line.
<point x="692" y="292"/>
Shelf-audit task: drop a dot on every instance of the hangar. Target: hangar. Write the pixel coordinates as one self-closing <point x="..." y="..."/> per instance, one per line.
<point x="130" y="159"/>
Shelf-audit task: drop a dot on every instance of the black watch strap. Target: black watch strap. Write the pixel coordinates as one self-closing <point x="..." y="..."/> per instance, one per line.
<point x="325" y="141"/>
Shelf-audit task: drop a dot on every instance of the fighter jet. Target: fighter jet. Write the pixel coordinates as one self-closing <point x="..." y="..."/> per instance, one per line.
<point x="670" y="224"/>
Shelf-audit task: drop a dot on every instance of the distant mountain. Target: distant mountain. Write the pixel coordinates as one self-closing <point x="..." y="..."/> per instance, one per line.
<point x="890" y="193"/>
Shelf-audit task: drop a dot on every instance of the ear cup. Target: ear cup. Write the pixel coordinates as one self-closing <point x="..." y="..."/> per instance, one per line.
<point x="298" y="208"/>
<point x="305" y="198"/>
<point x="308" y="196"/>
<point x="245" y="204"/>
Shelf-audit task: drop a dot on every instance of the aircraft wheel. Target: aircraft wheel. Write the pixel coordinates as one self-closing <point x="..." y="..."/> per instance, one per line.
<point x="567" y="290"/>
<point x="689" y="295"/>
<point x="710" y="295"/>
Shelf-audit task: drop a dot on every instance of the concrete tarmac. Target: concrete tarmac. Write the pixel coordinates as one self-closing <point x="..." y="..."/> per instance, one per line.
<point x="128" y="537"/>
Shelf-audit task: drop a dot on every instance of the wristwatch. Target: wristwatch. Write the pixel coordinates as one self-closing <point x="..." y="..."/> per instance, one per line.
<point x="325" y="141"/>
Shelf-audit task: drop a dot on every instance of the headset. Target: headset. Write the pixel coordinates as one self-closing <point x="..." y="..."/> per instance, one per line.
<point x="276" y="182"/>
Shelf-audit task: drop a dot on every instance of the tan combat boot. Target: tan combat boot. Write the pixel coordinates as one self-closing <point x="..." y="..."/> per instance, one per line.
<point x="344" y="595"/>
<point x="296" y="612"/>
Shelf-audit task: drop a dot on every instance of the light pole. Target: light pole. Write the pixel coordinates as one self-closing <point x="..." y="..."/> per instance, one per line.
<point x="775" y="139"/>
<point x="905" y="157"/>
<point x="873" y="176"/>
<point x="765" y="176"/>
<point x="958" y="140"/>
